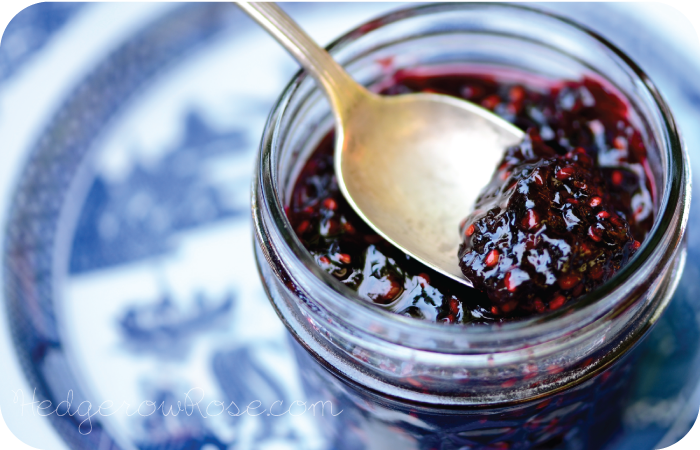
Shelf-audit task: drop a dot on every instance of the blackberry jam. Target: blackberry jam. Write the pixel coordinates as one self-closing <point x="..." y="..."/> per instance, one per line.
<point x="503" y="376"/>
<point x="565" y="210"/>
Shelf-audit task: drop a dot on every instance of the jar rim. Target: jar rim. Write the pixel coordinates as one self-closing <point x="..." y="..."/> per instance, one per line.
<point x="590" y="307"/>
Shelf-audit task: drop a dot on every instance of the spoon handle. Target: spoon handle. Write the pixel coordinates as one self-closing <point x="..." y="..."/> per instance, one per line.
<point x="342" y="91"/>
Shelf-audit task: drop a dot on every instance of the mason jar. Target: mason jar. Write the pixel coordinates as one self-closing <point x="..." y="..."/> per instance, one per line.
<point x="555" y="380"/>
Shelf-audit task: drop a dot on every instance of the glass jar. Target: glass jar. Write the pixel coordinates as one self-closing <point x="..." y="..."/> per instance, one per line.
<point x="536" y="383"/>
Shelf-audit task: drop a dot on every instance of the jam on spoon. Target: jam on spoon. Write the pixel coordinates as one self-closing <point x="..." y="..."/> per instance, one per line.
<point x="563" y="212"/>
<point x="544" y="231"/>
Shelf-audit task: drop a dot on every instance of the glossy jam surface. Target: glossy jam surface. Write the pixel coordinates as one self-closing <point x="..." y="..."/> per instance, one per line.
<point x="544" y="231"/>
<point x="564" y="210"/>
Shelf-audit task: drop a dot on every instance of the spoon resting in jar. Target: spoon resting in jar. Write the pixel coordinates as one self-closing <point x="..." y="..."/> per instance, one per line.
<point x="411" y="165"/>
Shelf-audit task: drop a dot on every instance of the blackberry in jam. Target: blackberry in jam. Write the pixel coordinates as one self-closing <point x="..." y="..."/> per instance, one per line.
<point x="544" y="231"/>
<point x="565" y="210"/>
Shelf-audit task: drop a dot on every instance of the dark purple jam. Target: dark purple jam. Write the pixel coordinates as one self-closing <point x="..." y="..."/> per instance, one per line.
<point x="565" y="210"/>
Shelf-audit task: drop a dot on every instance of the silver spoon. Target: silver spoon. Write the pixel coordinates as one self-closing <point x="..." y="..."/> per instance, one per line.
<point x="412" y="165"/>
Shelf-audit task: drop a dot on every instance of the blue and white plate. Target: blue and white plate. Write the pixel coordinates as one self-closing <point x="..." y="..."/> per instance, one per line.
<point x="128" y="267"/>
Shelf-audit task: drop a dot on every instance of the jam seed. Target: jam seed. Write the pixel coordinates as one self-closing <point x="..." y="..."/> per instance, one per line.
<point x="470" y="230"/>
<point x="538" y="179"/>
<point x="344" y="258"/>
<point x="595" y="201"/>
<point x="636" y="245"/>
<point x="330" y="204"/>
<point x="603" y="215"/>
<point x="564" y="173"/>
<point x="492" y="258"/>
<point x="301" y="229"/>
<point x="617" y="177"/>
<point x="510" y="285"/>
<point x="491" y="102"/>
<point x="516" y="94"/>
<point x="349" y="228"/>
<point x="557" y="303"/>
<point x="495" y="311"/>
<point x="324" y="260"/>
<point x="531" y="219"/>
<point x="539" y="306"/>
<point x="595" y="234"/>
<point x="394" y="290"/>
<point x="568" y="281"/>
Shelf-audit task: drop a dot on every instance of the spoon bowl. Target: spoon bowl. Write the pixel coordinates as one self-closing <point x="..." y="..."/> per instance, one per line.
<point x="409" y="165"/>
